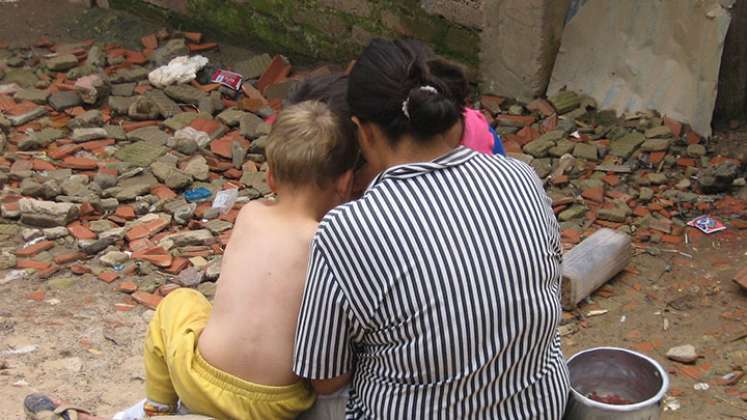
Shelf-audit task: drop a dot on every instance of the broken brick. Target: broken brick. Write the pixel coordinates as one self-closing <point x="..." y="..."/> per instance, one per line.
<point x="81" y="232"/>
<point x="31" y="250"/>
<point x="148" y="300"/>
<point x="108" y="276"/>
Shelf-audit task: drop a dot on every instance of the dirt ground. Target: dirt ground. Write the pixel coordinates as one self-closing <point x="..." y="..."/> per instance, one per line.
<point x="72" y="343"/>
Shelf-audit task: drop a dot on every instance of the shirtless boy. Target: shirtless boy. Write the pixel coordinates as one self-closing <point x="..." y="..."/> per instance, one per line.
<point x="233" y="360"/>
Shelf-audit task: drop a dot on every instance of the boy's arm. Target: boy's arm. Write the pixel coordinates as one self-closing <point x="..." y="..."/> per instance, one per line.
<point x="330" y="386"/>
<point x="323" y="351"/>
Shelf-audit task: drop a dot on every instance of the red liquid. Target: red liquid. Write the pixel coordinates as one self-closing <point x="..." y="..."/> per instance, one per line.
<point x="611" y="399"/>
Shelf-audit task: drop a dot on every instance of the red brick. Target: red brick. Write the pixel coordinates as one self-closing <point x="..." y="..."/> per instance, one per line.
<point x="656" y="157"/>
<point x="276" y="72"/>
<point x="156" y="255"/>
<point x="641" y="211"/>
<point x="674" y="125"/>
<point x="62" y="151"/>
<point x="37" y="295"/>
<point x="571" y="235"/>
<point x="177" y="265"/>
<point x="149" y="41"/>
<point x="79" y="163"/>
<point x="594" y="194"/>
<point x="131" y="126"/>
<point x="79" y="269"/>
<point x="80" y="232"/>
<point x="68" y="258"/>
<point x="195" y="37"/>
<point x="560" y="180"/>
<point x="611" y="180"/>
<point x="222" y="146"/>
<point x="87" y="209"/>
<point x="527" y="135"/>
<point x="34" y="249"/>
<point x="686" y="162"/>
<point x="692" y="137"/>
<point x="542" y="106"/>
<point x="491" y="102"/>
<point x="148" y="300"/>
<point x="108" y="276"/>
<point x="42" y="165"/>
<point x="127" y="287"/>
<point x="202" y="47"/>
<point x="125" y="212"/>
<point x="48" y="272"/>
<point x="670" y="239"/>
<point x="163" y="192"/>
<point x="146" y="229"/>
<point x="36" y="265"/>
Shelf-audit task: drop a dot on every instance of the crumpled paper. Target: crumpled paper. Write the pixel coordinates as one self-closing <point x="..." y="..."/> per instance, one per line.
<point x="179" y="70"/>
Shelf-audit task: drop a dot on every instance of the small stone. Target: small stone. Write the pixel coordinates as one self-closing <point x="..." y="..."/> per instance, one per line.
<point x="143" y="108"/>
<point x="656" y="145"/>
<point x="88" y="119"/>
<point x="60" y="283"/>
<point x="625" y="146"/>
<point x="217" y="226"/>
<point x="81" y="135"/>
<point x="253" y="67"/>
<point x="105" y="180"/>
<point x="91" y="88"/>
<point x="191" y="237"/>
<point x="238" y="154"/>
<point x="100" y="226"/>
<point x="62" y="62"/>
<point x="683" y="184"/>
<point x="179" y="121"/>
<point x="172" y="49"/>
<point x="113" y="258"/>
<point x="586" y="151"/>
<point x="29" y="234"/>
<point x="165" y="106"/>
<point x="573" y="212"/>
<point x="211" y="213"/>
<point x="561" y="148"/>
<point x="185" y="94"/>
<point x="696" y="150"/>
<point x="231" y="117"/>
<point x="150" y="134"/>
<point x="46" y="213"/>
<point x="657" y="178"/>
<point x="190" y="277"/>
<point x="55" y="232"/>
<point x="37" y="96"/>
<point x="123" y="89"/>
<point x="16" y="120"/>
<point x="198" y="168"/>
<point x="249" y="124"/>
<point x="646" y="194"/>
<point x="617" y="215"/>
<point x="7" y="261"/>
<point x="141" y="153"/>
<point x="207" y="289"/>
<point x="132" y="74"/>
<point x="658" y="132"/>
<point x="120" y="105"/>
<point x="683" y="354"/>
<point x="187" y="146"/>
<point x="183" y="214"/>
<point x="61" y="101"/>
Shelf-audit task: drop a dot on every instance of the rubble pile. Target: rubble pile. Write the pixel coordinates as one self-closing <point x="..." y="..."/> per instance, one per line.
<point x="643" y="173"/>
<point x="107" y="176"/>
<point x="117" y="168"/>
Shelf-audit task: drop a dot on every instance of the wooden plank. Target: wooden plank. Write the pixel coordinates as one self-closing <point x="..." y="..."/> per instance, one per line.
<point x="592" y="263"/>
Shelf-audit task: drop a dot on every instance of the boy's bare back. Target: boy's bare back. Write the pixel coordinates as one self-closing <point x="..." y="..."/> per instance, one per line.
<point x="251" y="329"/>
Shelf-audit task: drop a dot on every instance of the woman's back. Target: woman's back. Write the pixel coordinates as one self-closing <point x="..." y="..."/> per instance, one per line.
<point x="454" y="302"/>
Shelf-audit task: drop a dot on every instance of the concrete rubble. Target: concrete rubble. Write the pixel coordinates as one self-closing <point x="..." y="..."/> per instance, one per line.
<point x="97" y="161"/>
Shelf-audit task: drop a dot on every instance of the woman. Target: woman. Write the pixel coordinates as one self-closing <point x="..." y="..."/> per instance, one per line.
<point x="417" y="295"/>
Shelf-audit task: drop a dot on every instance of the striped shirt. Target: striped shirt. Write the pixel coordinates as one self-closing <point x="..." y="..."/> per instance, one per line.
<point x="439" y="289"/>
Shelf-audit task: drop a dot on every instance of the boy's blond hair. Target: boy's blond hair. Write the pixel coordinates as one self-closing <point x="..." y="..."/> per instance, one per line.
<point x="307" y="145"/>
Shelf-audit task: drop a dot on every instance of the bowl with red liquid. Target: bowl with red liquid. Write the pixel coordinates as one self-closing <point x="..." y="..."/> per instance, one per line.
<point x="615" y="383"/>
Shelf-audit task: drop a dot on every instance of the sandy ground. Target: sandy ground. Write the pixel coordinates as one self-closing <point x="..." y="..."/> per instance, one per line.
<point x="74" y="344"/>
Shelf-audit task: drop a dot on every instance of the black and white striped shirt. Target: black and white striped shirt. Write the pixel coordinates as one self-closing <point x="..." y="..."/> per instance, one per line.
<point x="440" y="290"/>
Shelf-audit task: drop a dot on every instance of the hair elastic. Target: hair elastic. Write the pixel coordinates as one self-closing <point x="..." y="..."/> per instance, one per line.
<point x="406" y="103"/>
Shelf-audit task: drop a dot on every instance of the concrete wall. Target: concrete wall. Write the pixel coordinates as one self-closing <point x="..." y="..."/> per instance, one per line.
<point x="510" y="43"/>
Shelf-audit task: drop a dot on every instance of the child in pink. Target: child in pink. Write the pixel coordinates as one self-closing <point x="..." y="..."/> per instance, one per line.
<point x="479" y="135"/>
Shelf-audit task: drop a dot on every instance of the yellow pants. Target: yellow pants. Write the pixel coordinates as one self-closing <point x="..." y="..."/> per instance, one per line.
<point x="175" y="371"/>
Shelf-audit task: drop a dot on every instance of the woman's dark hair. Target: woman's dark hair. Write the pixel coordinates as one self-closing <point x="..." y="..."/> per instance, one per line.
<point x="332" y="90"/>
<point x="393" y="85"/>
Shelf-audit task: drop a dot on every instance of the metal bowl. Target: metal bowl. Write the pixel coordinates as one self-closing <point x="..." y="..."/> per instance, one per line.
<point x="614" y="371"/>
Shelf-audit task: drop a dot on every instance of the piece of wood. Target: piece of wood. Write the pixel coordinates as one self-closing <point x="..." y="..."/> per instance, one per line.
<point x="592" y="263"/>
<point x="731" y="101"/>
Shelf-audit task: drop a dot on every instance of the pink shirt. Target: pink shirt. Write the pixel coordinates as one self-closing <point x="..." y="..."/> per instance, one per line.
<point x="477" y="135"/>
